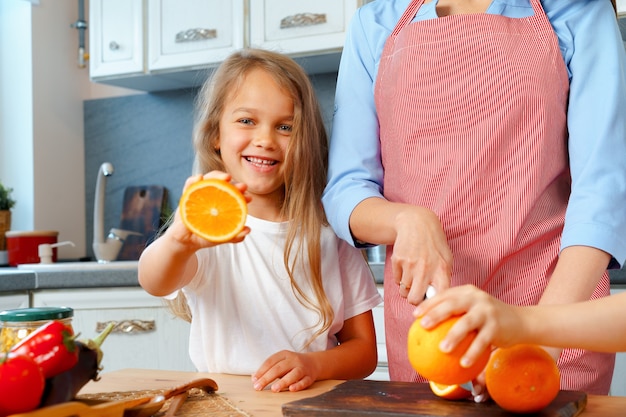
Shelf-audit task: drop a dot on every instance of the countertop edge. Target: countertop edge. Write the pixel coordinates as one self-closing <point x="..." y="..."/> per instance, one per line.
<point x="14" y="280"/>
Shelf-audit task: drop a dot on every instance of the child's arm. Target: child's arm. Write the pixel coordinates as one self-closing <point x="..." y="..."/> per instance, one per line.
<point x="594" y="325"/>
<point x="169" y="263"/>
<point x="355" y="357"/>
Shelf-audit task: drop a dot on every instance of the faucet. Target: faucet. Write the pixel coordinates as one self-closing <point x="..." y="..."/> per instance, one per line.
<point x="105" y="250"/>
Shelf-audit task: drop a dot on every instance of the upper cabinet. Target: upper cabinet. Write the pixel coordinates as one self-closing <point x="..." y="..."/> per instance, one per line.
<point x="156" y="45"/>
<point x="189" y="33"/>
<point x="116" y="37"/>
<point x="300" y="26"/>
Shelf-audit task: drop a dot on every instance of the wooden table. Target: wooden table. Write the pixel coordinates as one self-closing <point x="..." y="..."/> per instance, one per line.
<point x="238" y="390"/>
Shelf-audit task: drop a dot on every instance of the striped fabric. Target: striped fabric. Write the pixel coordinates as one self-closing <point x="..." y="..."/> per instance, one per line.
<point x="472" y="112"/>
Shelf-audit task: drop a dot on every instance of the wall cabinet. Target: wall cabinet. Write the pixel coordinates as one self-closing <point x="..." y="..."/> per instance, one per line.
<point x="146" y="334"/>
<point x="116" y="38"/>
<point x="300" y="26"/>
<point x="156" y="45"/>
<point x="193" y="32"/>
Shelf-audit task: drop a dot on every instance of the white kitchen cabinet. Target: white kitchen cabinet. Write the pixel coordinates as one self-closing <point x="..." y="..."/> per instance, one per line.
<point x="618" y="385"/>
<point x="155" y="45"/>
<point x="189" y="33"/>
<point x="116" y="37"/>
<point x="381" y="373"/>
<point x="146" y="334"/>
<point x="300" y="26"/>
<point x="13" y="300"/>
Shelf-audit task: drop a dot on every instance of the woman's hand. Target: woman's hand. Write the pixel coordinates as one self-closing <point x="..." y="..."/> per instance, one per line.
<point x="286" y="370"/>
<point x="421" y="255"/>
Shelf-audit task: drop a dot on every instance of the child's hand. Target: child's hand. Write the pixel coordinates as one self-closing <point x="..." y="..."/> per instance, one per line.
<point x="286" y="370"/>
<point x="181" y="234"/>
<point x="495" y="322"/>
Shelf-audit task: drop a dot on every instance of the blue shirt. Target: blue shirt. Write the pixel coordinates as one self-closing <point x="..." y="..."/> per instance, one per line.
<point x="593" y="52"/>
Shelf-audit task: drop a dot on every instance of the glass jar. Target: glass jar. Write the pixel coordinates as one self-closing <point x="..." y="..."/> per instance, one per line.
<point x="16" y="324"/>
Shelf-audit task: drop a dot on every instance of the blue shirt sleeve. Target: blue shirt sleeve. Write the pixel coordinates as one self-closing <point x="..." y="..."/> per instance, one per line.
<point x="355" y="169"/>
<point x="593" y="51"/>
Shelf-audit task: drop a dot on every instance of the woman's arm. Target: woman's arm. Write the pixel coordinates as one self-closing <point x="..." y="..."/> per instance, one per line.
<point x="355" y="357"/>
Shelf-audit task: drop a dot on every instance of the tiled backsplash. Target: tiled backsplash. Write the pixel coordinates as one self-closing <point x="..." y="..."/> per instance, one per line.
<point x="147" y="138"/>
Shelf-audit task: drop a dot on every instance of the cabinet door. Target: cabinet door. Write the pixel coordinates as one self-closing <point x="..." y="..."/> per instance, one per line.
<point x="188" y="33"/>
<point x="382" y="369"/>
<point x="300" y="26"/>
<point x="145" y="335"/>
<point x="116" y="37"/>
<point x="12" y="301"/>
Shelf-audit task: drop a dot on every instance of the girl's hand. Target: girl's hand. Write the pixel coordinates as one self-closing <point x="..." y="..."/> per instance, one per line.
<point x="286" y="370"/>
<point x="182" y="235"/>
<point x="495" y="322"/>
<point x="421" y="255"/>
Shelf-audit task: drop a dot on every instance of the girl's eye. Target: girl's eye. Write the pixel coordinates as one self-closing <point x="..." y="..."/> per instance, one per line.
<point x="284" y="128"/>
<point x="245" y="121"/>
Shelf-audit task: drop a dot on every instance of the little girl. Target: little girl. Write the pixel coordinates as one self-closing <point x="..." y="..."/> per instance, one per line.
<point x="285" y="300"/>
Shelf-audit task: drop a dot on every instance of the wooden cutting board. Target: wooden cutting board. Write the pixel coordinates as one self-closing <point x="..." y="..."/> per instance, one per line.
<point x="386" y="399"/>
<point x="142" y="211"/>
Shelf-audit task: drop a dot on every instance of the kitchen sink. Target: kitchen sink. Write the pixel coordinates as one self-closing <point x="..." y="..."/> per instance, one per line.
<point x="80" y="266"/>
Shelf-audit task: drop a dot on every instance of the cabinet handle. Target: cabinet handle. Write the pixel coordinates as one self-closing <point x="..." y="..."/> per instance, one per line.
<point x="198" y="34"/>
<point x="128" y="326"/>
<point x="114" y="46"/>
<point x="302" y="19"/>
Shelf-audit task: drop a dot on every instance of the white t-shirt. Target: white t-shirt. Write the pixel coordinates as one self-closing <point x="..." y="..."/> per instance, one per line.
<point x="244" y="308"/>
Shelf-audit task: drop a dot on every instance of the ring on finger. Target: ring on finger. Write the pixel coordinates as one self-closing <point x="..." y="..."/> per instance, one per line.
<point x="403" y="286"/>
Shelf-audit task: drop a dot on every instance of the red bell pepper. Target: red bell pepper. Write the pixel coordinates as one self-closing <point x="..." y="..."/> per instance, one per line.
<point x="51" y="346"/>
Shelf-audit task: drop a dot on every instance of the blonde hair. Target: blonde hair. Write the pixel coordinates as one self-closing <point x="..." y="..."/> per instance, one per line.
<point x="306" y="163"/>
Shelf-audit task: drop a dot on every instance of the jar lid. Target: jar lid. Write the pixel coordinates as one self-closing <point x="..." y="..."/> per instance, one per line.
<point x="36" y="314"/>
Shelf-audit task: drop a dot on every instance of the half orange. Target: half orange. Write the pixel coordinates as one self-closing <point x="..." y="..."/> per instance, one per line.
<point x="213" y="209"/>
<point x="449" y="392"/>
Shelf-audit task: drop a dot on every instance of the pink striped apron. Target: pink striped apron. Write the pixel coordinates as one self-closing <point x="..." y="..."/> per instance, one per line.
<point x="472" y="112"/>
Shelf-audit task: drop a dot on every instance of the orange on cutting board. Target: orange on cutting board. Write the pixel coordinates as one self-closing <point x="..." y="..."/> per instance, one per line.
<point x="449" y="392"/>
<point x="213" y="209"/>
<point x="437" y="366"/>
<point x="522" y="378"/>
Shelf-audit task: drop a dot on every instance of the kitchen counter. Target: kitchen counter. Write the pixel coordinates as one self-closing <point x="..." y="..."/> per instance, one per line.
<point x="238" y="391"/>
<point x="14" y="279"/>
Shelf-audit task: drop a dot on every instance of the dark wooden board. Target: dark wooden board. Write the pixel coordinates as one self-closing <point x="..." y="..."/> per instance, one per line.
<point x="395" y="399"/>
<point x="142" y="213"/>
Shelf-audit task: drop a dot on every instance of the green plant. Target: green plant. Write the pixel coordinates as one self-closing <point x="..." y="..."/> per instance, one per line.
<point x="6" y="202"/>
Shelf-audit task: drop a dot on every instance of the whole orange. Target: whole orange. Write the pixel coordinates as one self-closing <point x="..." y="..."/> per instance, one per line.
<point x="437" y="366"/>
<point x="522" y="378"/>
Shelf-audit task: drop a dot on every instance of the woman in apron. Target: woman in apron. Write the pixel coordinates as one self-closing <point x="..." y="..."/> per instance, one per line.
<point x="484" y="144"/>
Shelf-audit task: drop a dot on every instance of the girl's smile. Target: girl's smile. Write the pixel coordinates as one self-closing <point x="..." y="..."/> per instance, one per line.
<point x="261" y="163"/>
